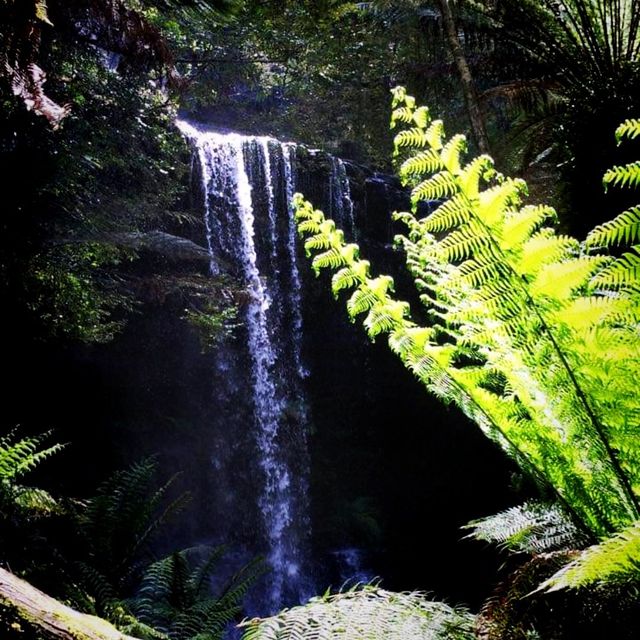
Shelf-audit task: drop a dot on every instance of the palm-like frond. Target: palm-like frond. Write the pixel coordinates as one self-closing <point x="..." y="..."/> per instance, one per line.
<point x="369" y="612"/>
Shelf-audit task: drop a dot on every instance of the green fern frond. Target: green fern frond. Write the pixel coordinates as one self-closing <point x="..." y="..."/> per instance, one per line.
<point x="418" y="137"/>
<point x="560" y="280"/>
<point x="450" y="154"/>
<point x="421" y="117"/>
<point x="36" y="501"/>
<point x="331" y="259"/>
<point x="367" y="613"/>
<point x="440" y="185"/>
<point x="384" y="318"/>
<point x="622" y="272"/>
<point x="533" y="527"/>
<point x="615" y="559"/>
<point x="424" y="162"/>
<point x="628" y="129"/>
<point x="623" y="228"/>
<point x="519" y="227"/>
<point x="627" y="175"/>
<point x="479" y="168"/>
<point x="450" y="214"/>
<point x="401" y="114"/>
<point x="19" y="457"/>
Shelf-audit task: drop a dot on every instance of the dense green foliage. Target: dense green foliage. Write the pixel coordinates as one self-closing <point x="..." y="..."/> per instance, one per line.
<point x="72" y="240"/>
<point x="532" y="335"/>
<point x="175" y="595"/>
<point x="17" y="458"/>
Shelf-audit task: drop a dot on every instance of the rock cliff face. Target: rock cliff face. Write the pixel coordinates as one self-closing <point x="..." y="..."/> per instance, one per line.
<point x="297" y="438"/>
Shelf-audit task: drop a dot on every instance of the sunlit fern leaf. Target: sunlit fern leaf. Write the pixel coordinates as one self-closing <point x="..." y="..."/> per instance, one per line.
<point x="370" y="612"/>
<point x="415" y="137"/>
<point x="505" y="293"/>
<point x="362" y="300"/>
<point x="615" y="559"/>
<point x="418" y="137"/>
<point x="440" y="185"/>
<point x="308" y="226"/>
<point x="471" y="174"/>
<point x="495" y="201"/>
<point x="20" y="456"/>
<point x="586" y="311"/>
<point x="318" y="241"/>
<point x="450" y="214"/>
<point x="561" y="279"/>
<point x="478" y="271"/>
<point x="628" y="129"/>
<point x="622" y="272"/>
<point x="398" y="96"/>
<point x="332" y="259"/>
<point x="544" y="247"/>
<point x="464" y="242"/>
<point x="401" y="114"/>
<point x="421" y="117"/>
<point x="627" y="175"/>
<point x="344" y="279"/>
<point x="529" y="528"/>
<point x="424" y="162"/>
<point x="519" y="226"/>
<point x="450" y="153"/>
<point x="384" y="318"/>
<point x="624" y="228"/>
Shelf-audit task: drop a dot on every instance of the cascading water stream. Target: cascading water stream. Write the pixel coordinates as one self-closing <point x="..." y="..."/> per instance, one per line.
<point x="248" y="184"/>
<point x="341" y="204"/>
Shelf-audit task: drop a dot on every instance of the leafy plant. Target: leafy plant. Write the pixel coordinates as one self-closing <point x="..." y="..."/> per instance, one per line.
<point x="529" y="528"/>
<point x="17" y="458"/>
<point x="368" y="612"/>
<point x="175" y="595"/>
<point x="116" y="526"/>
<point x="530" y="333"/>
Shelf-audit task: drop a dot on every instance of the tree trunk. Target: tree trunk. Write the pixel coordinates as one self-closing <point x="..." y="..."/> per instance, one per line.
<point x="470" y="97"/>
<point x="51" y="618"/>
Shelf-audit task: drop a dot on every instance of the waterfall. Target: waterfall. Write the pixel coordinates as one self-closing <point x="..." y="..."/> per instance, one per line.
<point x="340" y="202"/>
<point x="248" y="184"/>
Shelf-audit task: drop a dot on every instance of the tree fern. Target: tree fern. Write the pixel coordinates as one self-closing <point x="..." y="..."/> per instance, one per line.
<point x="369" y="612"/>
<point x="511" y="300"/>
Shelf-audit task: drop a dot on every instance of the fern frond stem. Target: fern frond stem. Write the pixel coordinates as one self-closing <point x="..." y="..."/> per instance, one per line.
<point x="521" y="282"/>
